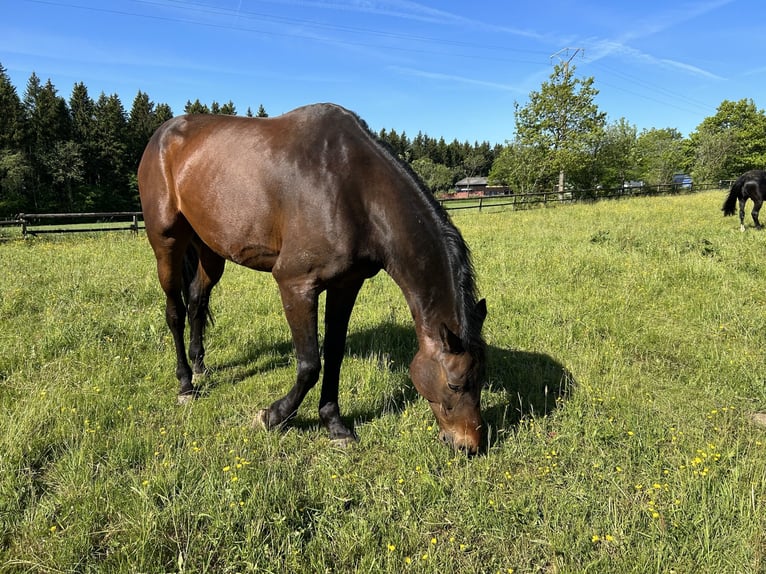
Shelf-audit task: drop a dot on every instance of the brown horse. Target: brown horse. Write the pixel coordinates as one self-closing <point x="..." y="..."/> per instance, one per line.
<point x="314" y="198"/>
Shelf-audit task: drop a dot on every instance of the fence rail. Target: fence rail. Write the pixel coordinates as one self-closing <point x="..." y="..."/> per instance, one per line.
<point x="40" y="223"/>
<point x="528" y="200"/>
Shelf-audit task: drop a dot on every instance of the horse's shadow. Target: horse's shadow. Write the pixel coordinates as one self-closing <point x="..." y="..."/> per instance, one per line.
<point x="519" y="384"/>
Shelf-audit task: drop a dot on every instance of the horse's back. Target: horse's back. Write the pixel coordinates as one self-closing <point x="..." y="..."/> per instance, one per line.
<point x="251" y="188"/>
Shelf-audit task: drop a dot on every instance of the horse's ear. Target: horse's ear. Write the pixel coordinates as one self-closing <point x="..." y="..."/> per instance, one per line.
<point x="451" y="343"/>
<point x="481" y="310"/>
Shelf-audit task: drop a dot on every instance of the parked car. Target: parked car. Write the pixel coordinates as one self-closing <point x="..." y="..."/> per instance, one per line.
<point x="682" y="181"/>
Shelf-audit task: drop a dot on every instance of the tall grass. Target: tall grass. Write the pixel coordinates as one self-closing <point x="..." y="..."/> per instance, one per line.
<point x="624" y="364"/>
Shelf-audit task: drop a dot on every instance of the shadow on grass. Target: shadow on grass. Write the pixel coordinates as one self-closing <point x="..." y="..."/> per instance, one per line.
<point x="519" y="384"/>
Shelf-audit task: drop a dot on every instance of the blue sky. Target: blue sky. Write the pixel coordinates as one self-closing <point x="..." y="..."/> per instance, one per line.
<point x="451" y="69"/>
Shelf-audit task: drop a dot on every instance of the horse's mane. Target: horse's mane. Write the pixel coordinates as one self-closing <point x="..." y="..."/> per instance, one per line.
<point x="458" y="252"/>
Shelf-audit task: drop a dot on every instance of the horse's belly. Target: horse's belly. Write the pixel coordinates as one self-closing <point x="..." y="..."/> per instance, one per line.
<point x="258" y="257"/>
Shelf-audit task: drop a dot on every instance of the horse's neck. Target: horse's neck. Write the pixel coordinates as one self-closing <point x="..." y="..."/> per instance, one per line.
<point x="420" y="266"/>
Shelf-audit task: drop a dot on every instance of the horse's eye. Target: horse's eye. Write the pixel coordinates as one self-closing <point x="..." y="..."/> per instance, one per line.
<point x="455" y="388"/>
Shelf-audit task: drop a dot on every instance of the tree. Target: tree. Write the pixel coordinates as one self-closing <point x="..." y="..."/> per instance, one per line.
<point x="11" y="114"/>
<point x="437" y="177"/>
<point x="228" y="109"/>
<point x="196" y="108"/>
<point x="48" y="123"/>
<point x="14" y="167"/>
<point x="142" y="123"/>
<point x="563" y="121"/>
<point x="729" y="143"/>
<point x="519" y="167"/>
<point x="114" y="168"/>
<point x="616" y="155"/>
<point x="262" y="112"/>
<point x="660" y="154"/>
<point x="15" y="172"/>
<point x="65" y="167"/>
<point x="82" y="109"/>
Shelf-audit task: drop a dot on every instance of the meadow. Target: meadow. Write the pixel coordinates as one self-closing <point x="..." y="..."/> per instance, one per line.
<point x="625" y="367"/>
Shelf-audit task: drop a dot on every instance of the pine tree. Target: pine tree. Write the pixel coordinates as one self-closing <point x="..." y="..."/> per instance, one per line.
<point x="114" y="167"/>
<point x="48" y="124"/>
<point x="11" y="114"/>
<point x="196" y="108"/>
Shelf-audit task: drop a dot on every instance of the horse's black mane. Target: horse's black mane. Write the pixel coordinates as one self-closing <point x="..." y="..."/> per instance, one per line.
<point x="458" y="252"/>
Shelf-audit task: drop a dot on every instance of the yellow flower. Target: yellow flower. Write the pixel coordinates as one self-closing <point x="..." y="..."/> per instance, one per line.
<point x="391" y="547"/>
<point x="595" y="538"/>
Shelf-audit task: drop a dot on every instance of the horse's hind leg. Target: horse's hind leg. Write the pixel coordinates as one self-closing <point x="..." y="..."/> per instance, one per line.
<point x="340" y="302"/>
<point x="756" y="210"/>
<point x="170" y="254"/>
<point x="209" y="270"/>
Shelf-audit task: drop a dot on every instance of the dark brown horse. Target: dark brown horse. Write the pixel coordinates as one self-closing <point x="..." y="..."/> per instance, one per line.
<point x="752" y="185"/>
<point x="314" y="198"/>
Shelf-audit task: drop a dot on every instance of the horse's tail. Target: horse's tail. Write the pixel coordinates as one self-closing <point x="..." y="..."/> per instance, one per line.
<point x="188" y="275"/>
<point x="730" y="204"/>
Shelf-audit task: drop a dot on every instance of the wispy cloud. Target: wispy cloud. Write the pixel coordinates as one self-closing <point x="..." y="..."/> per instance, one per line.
<point x="455" y="79"/>
<point x="674" y="18"/>
<point x="414" y="12"/>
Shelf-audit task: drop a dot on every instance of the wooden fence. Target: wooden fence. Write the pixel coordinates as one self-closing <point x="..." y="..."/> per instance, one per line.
<point x="40" y="223"/>
<point x="543" y="198"/>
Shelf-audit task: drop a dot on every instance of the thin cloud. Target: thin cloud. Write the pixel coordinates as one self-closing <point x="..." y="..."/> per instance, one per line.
<point x="440" y="77"/>
<point x="411" y="11"/>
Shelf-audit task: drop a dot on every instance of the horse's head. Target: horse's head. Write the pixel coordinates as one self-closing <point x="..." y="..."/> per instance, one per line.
<point x="449" y="375"/>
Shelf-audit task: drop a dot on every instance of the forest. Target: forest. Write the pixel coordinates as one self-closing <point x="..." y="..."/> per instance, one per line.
<point x="81" y="154"/>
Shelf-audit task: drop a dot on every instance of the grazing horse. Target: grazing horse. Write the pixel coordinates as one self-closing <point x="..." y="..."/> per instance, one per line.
<point x="751" y="184"/>
<point x="315" y="199"/>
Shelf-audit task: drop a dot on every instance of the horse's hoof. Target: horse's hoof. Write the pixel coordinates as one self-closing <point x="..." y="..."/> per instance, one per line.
<point x="197" y="378"/>
<point x="344" y="442"/>
<point x="186" y="398"/>
<point x="261" y="419"/>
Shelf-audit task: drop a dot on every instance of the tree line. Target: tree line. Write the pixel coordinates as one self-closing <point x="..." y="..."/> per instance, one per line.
<point x="81" y="154"/>
<point x="562" y="138"/>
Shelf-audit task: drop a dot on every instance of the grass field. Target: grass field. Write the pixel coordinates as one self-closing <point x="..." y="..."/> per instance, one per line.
<point x="625" y="364"/>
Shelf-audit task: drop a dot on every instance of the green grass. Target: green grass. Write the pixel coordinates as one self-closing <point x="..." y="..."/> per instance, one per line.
<point x="624" y="364"/>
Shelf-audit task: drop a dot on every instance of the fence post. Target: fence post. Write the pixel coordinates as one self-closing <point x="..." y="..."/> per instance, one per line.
<point x="23" y="219"/>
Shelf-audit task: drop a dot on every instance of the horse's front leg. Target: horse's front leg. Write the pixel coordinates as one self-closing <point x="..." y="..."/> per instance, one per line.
<point x="340" y="302"/>
<point x="300" y="306"/>
<point x="742" y="202"/>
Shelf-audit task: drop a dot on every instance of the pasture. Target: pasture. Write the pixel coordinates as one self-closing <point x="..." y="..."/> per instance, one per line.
<point x="625" y="364"/>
